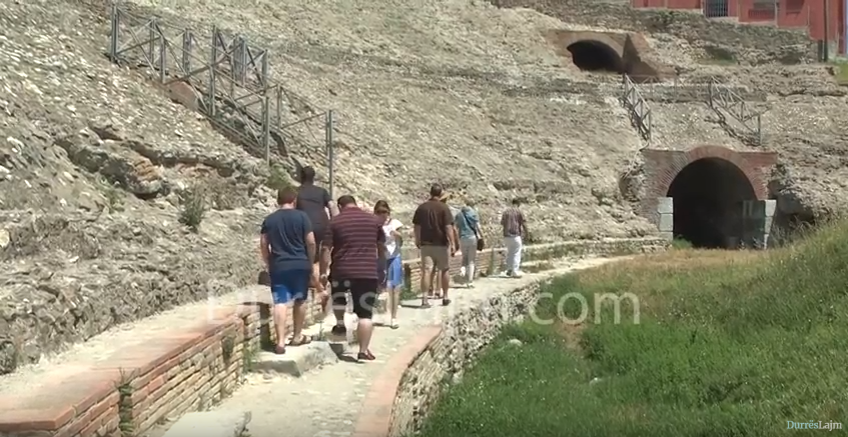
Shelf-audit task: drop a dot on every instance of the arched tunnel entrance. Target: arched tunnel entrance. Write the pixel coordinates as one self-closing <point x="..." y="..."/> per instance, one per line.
<point x="709" y="202"/>
<point x="591" y="55"/>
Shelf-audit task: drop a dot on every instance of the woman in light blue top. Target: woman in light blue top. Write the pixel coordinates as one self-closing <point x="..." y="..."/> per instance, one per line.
<point x="468" y="228"/>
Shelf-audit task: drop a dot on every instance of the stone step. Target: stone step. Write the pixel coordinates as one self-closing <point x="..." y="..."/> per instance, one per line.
<point x="323" y="351"/>
<point x="211" y="424"/>
<point x="297" y="360"/>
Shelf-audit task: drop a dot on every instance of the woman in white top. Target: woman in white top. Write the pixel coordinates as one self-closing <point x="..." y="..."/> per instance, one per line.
<point x="392" y="275"/>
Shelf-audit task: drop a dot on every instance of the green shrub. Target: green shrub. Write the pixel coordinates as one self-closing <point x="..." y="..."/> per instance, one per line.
<point x="278" y="179"/>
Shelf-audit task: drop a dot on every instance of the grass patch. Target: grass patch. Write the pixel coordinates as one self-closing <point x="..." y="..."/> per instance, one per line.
<point x="728" y="344"/>
<point x="840" y="71"/>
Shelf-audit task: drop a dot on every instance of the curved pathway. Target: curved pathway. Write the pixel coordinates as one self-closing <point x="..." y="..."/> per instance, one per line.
<point x="326" y="402"/>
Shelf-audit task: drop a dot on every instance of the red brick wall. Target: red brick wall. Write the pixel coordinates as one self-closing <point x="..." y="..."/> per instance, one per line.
<point x="667" y="4"/>
<point x="808" y="14"/>
<point x="662" y="166"/>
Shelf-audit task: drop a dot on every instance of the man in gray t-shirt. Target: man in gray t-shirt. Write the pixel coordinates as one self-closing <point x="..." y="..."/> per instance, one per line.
<point x="514" y="229"/>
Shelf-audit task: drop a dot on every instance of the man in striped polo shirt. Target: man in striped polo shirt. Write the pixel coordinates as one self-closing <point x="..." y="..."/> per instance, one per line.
<point x="354" y="243"/>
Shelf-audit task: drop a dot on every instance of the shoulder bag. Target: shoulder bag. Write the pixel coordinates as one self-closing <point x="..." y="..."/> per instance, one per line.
<point x="480" y="243"/>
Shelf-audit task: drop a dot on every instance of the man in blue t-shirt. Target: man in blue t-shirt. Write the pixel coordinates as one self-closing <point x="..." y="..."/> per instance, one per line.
<point x="288" y="248"/>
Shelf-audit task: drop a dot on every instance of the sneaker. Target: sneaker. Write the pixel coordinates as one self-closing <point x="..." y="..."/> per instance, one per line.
<point x="517" y="274"/>
<point x="339" y="330"/>
<point x="394" y="324"/>
<point x="462" y="271"/>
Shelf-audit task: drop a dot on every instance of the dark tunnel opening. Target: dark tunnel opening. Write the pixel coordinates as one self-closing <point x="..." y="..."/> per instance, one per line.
<point x="708" y="202"/>
<point x="596" y="56"/>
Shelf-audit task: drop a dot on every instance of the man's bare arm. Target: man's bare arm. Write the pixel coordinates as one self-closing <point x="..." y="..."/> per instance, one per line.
<point x="265" y="251"/>
<point x="324" y="264"/>
<point x="450" y="231"/>
<point x="326" y="247"/>
<point x="331" y="210"/>
<point x="522" y="225"/>
<point x="381" y="251"/>
<point x="310" y="244"/>
<point x="455" y="237"/>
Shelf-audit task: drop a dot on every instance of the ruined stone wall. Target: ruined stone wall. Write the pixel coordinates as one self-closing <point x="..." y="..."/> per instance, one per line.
<point x="748" y="44"/>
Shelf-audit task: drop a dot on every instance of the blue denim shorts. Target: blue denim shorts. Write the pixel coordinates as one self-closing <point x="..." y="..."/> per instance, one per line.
<point x="290" y="285"/>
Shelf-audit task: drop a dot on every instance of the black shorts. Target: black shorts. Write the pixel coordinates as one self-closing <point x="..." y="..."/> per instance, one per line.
<point x="362" y="291"/>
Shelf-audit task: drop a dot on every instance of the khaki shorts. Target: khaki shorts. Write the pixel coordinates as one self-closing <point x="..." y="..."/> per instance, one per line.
<point x="435" y="257"/>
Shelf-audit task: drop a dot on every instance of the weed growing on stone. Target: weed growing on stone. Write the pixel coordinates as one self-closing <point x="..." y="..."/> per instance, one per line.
<point x="113" y="194"/>
<point x="192" y="208"/>
<point x="278" y="179"/>
<point x="729" y="344"/>
<point x="125" y="413"/>
<point x="679" y="243"/>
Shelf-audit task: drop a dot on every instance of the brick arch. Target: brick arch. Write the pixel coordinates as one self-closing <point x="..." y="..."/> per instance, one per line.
<point x="662" y="166"/>
<point x="674" y="167"/>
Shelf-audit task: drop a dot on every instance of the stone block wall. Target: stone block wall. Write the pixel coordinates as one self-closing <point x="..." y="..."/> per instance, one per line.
<point x="665" y="217"/>
<point x="758" y="218"/>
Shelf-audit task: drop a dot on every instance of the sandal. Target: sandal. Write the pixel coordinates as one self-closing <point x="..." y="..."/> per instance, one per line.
<point x="446" y="302"/>
<point x="304" y="340"/>
<point x="280" y="350"/>
<point x="365" y="356"/>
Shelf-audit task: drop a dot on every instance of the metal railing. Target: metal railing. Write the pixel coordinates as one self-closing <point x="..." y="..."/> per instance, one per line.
<point x="640" y="112"/>
<point x="715" y="8"/>
<point x="724" y="102"/>
<point x="224" y="78"/>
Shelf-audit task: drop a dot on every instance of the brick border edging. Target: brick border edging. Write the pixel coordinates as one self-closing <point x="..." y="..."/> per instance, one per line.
<point x="375" y="418"/>
<point x="187" y="370"/>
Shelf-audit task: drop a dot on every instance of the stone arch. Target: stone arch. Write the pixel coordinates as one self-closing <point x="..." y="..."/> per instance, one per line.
<point x="594" y="55"/>
<point x="612" y="52"/>
<point x="673" y="167"/>
<point x="710" y="195"/>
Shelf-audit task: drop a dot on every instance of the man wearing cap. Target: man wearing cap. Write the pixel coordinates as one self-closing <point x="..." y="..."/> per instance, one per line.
<point x="435" y="238"/>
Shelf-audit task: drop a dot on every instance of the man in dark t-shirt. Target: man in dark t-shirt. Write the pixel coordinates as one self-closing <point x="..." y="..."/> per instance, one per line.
<point x="288" y="248"/>
<point x="434" y="237"/>
<point x="315" y="201"/>
<point x="353" y="244"/>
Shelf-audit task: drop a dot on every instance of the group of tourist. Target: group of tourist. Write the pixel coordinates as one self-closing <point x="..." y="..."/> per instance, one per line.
<point x="311" y="242"/>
